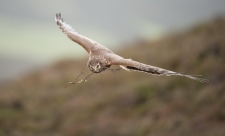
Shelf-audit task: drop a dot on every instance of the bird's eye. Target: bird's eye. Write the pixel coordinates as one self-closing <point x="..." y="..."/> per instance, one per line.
<point x="98" y="66"/>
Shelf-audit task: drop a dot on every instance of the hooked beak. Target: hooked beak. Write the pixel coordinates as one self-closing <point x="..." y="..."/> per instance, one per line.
<point x="95" y="69"/>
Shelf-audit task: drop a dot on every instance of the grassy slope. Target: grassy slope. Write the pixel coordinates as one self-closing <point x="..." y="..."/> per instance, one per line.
<point x="126" y="103"/>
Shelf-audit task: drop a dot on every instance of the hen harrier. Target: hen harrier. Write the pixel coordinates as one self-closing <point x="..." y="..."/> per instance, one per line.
<point x="101" y="58"/>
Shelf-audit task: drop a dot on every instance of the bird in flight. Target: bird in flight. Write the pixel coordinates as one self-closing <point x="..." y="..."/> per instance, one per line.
<point x="101" y="58"/>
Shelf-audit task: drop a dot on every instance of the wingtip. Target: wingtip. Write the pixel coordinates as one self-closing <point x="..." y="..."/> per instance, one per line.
<point x="195" y="77"/>
<point x="58" y="15"/>
<point x="58" y="18"/>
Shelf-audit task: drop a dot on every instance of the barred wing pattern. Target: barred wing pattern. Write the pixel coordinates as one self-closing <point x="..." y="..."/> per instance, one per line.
<point x="129" y="64"/>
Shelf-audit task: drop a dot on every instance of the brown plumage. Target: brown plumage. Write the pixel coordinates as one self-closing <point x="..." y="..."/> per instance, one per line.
<point x="101" y="58"/>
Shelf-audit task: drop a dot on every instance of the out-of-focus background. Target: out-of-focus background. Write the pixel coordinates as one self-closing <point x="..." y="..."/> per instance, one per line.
<point x="37" y="60"/>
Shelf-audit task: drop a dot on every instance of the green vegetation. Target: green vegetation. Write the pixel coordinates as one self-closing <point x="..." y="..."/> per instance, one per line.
<point x="126" y="103"/>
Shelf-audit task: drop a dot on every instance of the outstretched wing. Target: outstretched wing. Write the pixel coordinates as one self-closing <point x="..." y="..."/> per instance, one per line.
<point x="129" y="64"/>
<point x="88" y="44"/>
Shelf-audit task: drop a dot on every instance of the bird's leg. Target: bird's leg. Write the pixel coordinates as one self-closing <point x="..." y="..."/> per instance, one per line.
<point x="81" y="81"/>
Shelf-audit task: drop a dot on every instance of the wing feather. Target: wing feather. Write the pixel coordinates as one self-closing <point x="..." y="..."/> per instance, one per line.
<point x="137" y="66"/>
<point x="88" y="44"/>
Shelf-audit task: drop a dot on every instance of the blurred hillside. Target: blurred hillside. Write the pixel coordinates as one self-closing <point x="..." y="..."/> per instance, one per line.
<point x="126" y="103"/>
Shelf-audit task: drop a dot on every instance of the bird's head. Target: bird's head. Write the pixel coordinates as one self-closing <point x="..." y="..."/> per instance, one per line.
<point x="95" y="67"/>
